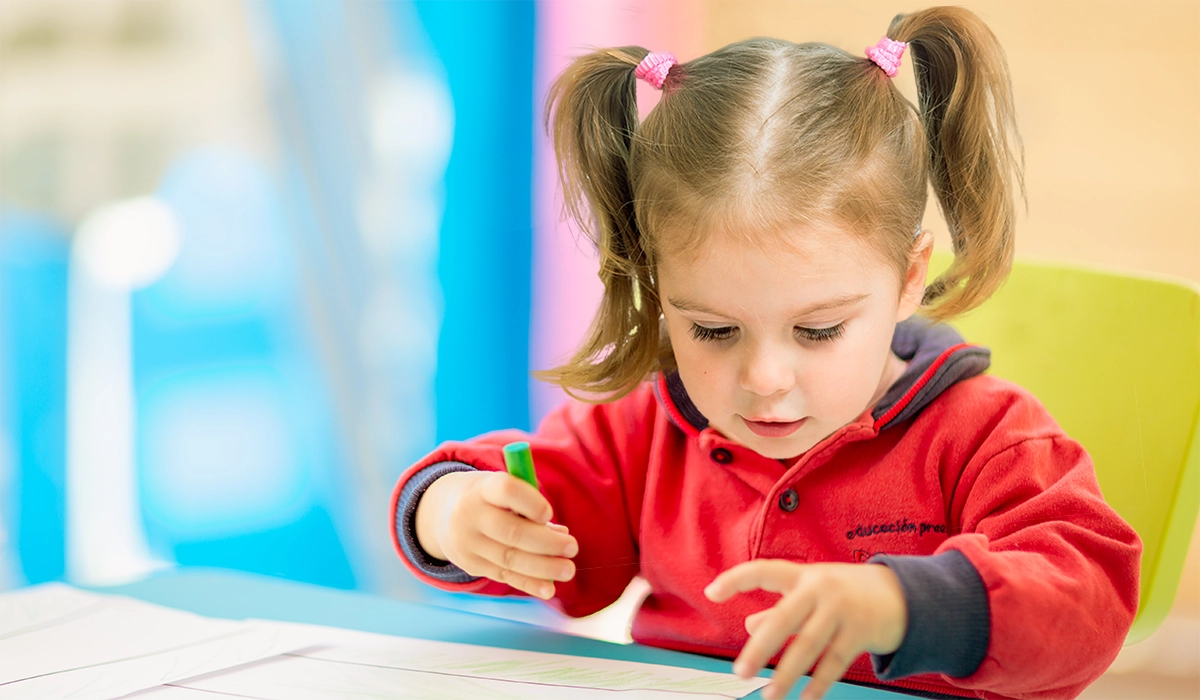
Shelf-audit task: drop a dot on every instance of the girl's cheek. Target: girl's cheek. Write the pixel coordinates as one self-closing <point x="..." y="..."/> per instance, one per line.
<point x="834" y="376"/>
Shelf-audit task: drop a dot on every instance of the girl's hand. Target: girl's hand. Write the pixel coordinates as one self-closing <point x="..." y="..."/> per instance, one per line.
<point x="495" y="525"/>
<point x="836" y="611"/>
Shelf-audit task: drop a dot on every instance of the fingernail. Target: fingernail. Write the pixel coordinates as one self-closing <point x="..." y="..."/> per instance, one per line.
<point x="547" y="592"/>
<point x="571" y="550"/>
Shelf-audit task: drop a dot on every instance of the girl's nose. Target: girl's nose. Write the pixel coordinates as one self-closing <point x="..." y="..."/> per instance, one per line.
<point x="766" y="372"/>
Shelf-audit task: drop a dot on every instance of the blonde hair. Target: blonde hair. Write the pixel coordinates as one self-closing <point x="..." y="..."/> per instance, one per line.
<point x="764" y="134"/>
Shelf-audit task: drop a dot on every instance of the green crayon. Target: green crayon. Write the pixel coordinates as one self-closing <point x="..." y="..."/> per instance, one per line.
<point x="519" y="460"/>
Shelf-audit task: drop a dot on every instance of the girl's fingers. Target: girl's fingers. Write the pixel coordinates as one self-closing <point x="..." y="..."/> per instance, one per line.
<point x="479" y="566"/>
<point x="802" y="653"/>
<point x="767" y="574"/>
<point x="784" y="619"/>
<point x="504" y="490"/>
<point x="558" y="528"/>
<point x="512" y="530"/>
<point x="524" y="563"/>
<point x="753" y="620"/>
<point x="832" y="667"/>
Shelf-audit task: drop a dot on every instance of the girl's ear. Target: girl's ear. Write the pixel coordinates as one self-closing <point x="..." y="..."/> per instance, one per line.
<point x="914" y="277"/>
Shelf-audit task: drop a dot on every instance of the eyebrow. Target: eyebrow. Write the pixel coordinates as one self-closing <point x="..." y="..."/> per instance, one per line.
<point x="834" y="303"/>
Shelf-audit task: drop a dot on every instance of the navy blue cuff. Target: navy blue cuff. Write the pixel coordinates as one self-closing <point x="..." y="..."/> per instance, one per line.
<point x="949" y="621"/>
<point x="406" y="524"/>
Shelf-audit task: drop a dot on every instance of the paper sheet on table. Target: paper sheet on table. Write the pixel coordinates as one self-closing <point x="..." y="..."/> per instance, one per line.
<point x="360" y="664"/>
<point x="61" y="642"/>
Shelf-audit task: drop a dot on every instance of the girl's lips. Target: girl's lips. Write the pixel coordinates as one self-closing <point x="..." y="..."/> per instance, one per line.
<point x="773" y="429"/>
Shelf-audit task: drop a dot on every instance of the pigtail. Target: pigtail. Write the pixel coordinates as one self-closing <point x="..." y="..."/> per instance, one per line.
<point x="591" y="114"/>
<point x="966" y="108"/>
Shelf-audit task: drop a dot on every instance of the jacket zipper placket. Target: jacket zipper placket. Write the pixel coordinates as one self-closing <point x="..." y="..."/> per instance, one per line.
<point x="805" y="465"/>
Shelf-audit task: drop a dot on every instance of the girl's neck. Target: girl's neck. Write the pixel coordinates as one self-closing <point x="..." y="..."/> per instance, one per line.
<point x="892" y="369"/>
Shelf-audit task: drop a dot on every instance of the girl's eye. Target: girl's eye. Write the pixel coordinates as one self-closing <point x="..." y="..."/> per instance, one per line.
<point x="821" y="334"/>
<point x="705" y="333"/>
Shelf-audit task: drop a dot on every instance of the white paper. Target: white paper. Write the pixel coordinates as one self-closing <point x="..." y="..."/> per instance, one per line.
<point x="28" y="608"/>
<point x="359" y="664"/>
<point x="61" y="642"/>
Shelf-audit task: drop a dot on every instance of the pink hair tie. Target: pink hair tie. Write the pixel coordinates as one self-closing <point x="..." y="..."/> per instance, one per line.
<point x="886" y="54"/>
<point x="654" y="67"/>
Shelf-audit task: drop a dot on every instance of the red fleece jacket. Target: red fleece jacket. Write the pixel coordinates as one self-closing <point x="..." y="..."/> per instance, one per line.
<point x="982" y="469"/>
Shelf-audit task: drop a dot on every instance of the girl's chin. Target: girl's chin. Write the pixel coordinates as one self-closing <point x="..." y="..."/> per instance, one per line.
<point x="786" y="448"/>
<point x="782" y="454"/>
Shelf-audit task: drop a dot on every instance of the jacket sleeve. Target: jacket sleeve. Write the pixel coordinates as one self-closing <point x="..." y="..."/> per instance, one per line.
<point x="1060" y="567"/>
<point x="591" y="463"/>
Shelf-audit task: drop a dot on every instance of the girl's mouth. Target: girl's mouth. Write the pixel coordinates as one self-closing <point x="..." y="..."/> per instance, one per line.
<point x="773" y="429"/>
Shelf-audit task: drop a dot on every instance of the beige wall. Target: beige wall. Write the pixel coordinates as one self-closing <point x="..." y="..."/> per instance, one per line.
<point x="1108" y="98"/>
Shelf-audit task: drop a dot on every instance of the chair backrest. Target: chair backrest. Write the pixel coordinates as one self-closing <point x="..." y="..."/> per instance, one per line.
<point x="1115" y="358"/>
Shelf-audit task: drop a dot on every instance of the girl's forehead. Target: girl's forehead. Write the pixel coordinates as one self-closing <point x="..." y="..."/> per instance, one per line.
<point x="812" y="245"/>
<point x="739" y="278"/>
<point x="734" y="279"/>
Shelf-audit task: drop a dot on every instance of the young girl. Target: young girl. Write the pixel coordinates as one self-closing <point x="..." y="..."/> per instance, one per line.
<point x="781" y="449"/>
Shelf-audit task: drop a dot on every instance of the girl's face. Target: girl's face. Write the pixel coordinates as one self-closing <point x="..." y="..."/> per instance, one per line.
<point x="781" y="345"/>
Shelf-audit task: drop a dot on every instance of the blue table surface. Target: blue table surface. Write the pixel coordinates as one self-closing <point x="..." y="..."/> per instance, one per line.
<point x="237" y="595"/>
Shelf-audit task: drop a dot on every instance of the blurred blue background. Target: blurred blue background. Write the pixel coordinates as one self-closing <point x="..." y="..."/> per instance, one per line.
<point x="255" y="259"/>
<point x="258" y="256"/>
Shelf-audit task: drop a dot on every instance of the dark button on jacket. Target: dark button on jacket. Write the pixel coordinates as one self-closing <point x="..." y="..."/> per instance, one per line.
<point x="721" y="456"/>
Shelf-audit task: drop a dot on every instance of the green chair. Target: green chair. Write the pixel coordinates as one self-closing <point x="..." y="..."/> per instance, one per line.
<point x="1115" y="357"/>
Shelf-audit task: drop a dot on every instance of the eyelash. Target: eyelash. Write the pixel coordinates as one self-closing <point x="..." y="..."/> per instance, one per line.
<point x="818" y="335"/>
<point x="822" y="335"/>
<point x="712" y="334"/>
